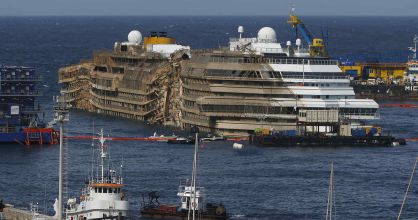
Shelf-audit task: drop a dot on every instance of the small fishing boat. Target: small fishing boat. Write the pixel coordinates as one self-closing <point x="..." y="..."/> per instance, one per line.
<point x="191" y="201"/>
<point x="181" y="140"/>
<point x="213" y="138"/>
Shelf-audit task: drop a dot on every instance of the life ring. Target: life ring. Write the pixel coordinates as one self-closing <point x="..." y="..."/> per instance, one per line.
<point x="194" y="204"/>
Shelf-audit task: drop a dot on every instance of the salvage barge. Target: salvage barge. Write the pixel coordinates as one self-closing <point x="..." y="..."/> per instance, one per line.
<point x="324" y="141"/>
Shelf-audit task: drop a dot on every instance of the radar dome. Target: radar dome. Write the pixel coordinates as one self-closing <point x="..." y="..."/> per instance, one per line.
<point x="135" y="37"/>
<point x="267" y="34"/>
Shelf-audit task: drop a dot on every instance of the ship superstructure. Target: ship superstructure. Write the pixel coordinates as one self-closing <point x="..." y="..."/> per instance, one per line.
<point x="257" y="82"/>
<point x="103" y="197"/>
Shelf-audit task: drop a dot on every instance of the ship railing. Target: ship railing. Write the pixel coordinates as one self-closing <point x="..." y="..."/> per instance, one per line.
<point x="315" y="77"/>
<point x="273" y="61"/>
<point x="15" y="78"/>
<point x="7" y="129"/>
<point x="375" y="115"/>
<point x="302" y="61"/>
<point x="26" y="93"/>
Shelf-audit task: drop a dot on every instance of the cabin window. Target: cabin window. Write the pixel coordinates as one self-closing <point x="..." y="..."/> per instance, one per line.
<point x="95" y="190"/>
<point x="104" y="190"/>
<point x="100" y="190"/>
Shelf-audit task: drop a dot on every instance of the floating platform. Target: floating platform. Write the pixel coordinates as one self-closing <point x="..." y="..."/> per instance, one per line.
<point x="324" y="141"/>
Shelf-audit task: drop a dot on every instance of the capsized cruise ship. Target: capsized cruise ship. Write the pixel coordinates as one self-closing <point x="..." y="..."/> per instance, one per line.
<point x="135" y="80"/>
<point x="260" y="82"/>
<point x="256" y="82"/>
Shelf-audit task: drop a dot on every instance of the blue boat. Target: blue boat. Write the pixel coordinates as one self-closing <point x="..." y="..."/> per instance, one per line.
<point x="19" y="113"/>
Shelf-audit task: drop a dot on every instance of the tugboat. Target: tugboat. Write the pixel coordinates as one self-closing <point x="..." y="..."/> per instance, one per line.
<point x="191" y="201"/>
<point x="103" y="197"/>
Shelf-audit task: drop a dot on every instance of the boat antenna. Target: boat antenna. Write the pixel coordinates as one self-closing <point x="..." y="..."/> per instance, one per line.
<point x="92" y="155"/>
<point x="407" y="189"/>
<point x="121" y="169"/>
<point x="102" y="154"/>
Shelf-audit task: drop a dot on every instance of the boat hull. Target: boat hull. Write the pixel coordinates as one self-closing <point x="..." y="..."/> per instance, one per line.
<point x="22" y="138"/>
<point x="156" y="214"/>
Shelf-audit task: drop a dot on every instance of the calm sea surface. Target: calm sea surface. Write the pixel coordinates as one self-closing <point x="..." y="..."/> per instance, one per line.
<point x="253" y="183"/>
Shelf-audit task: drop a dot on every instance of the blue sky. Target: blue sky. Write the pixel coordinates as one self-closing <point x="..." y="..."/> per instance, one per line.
<point x="208" y="7"/>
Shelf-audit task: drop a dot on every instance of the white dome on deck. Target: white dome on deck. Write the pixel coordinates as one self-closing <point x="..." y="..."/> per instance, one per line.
<point x="135" y="37"/>
<point x="267" y="34"/>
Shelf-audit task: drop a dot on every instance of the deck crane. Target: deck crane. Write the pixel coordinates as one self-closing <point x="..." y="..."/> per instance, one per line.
<point x="316" y="45"/>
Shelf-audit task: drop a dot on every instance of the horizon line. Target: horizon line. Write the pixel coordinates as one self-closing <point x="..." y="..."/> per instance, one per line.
<point x="208" y="15"/>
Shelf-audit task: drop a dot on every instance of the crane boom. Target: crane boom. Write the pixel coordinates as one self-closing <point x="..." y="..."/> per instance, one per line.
<point x="316" y="45"/>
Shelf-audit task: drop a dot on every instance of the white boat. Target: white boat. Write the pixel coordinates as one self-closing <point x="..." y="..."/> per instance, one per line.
<point x="103" y="197"/>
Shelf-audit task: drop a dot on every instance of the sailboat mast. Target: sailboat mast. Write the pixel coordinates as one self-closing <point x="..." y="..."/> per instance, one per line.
<point x="330" y="202"/>
<point x="192" y="203"/>
<point x="407" y="189"/>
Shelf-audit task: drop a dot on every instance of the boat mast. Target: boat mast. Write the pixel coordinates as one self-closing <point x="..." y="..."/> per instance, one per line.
<point x="194" y="177"/>
<point x="330" y="203"/>
<point x="102" y="154"/>
<point x="407" y="189"/>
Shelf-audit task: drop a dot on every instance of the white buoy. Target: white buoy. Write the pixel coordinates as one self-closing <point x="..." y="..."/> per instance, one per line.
<point x="237" y="146"/>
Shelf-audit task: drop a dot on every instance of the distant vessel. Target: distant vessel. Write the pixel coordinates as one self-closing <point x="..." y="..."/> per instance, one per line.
<point x="19" y="114"/>
<point x="383" y="81"/>
<point x="103" y="197"/>
<point x="191" y="201"/>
